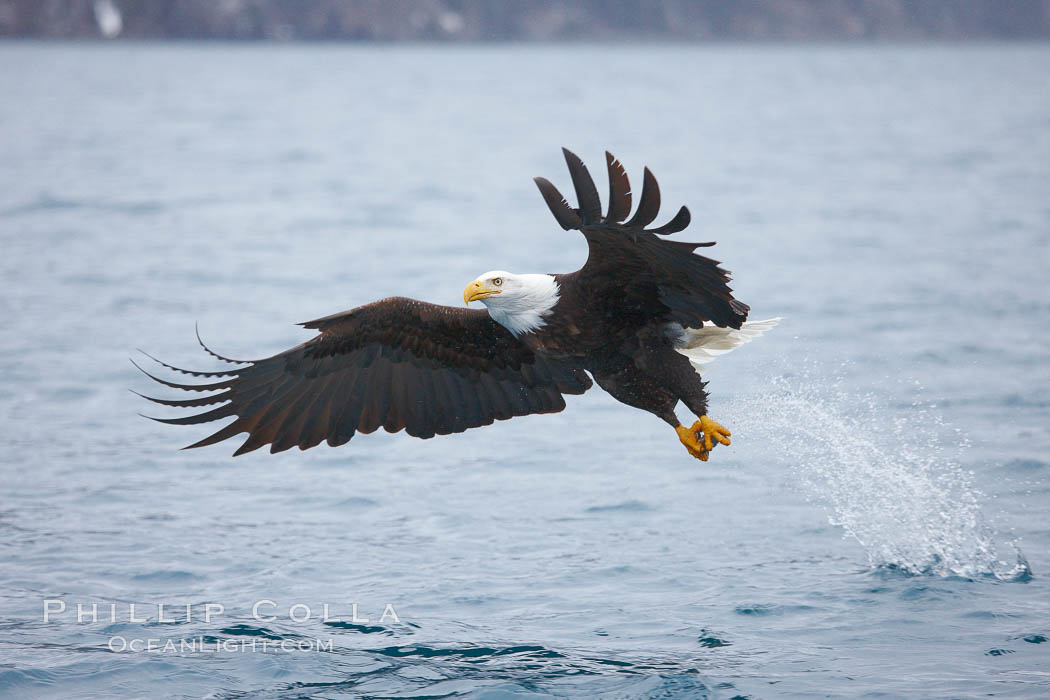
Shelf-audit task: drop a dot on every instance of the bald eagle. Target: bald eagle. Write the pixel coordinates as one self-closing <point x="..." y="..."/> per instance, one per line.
<point x="642" y="316"/>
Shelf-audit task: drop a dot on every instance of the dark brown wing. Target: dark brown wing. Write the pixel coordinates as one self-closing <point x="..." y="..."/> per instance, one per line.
<point x="665" y="278"/>
<point x="396" y="363"/>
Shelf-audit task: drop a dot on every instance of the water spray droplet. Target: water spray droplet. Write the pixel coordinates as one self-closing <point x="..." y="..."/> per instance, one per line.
<point x="891" y="480"/>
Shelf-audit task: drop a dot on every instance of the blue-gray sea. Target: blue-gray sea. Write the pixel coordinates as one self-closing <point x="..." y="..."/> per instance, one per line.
<point x="880" y="526"/>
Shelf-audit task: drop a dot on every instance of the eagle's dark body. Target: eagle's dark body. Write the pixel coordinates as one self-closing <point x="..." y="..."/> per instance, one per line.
<point x="405" y="364"/>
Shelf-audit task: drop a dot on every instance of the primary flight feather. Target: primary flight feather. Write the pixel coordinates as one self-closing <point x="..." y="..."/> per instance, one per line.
<point x="641" y="317"/>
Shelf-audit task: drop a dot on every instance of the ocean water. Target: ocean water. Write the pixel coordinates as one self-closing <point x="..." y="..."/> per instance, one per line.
<point x="878" y="528"/>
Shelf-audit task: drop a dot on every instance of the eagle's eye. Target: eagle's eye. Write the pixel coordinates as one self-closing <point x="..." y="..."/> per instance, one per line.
<point x="498" y="281"/>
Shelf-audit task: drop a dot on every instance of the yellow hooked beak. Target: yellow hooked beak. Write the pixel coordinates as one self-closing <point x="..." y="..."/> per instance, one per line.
<point x="476" y="290"/>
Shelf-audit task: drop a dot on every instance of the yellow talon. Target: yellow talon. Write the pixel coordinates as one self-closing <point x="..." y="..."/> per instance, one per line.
<point x="713" y="432"/>
<point x="688" y="437"/>
<point x="701" y="446"/>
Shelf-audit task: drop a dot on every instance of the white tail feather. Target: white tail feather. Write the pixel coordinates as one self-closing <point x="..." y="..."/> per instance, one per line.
<point x="704" y="345"/>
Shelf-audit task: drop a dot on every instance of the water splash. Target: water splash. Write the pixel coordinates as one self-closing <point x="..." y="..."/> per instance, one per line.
<point x="890" y="478"/>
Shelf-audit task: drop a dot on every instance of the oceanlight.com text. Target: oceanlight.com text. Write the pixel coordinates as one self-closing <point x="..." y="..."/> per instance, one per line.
<point x="215" y="646"/>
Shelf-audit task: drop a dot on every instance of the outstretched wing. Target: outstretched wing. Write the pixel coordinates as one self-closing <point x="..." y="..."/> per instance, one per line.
<point x="665" y="277"/>
<point x="396" y="363"/>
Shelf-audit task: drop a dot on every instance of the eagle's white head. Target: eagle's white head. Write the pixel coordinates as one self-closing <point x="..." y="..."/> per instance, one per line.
<point x="519" y="303"/>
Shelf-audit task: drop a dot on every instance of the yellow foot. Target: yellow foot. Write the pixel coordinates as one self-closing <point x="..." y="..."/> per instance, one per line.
<point x="688" y="437"/>
<point x="702" y="437"/>
<point x="713" y="432"/>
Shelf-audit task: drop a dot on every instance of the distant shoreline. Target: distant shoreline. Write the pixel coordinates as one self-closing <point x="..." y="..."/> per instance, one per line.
<point x="560" y="21"/>
<point x="481" y="43"/>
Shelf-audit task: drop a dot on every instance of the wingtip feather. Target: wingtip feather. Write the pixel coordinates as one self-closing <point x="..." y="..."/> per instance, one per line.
<point x="196" y="329"/>
<point x="565" y="215"/>
<point x="649" y="204"/>
<point x="587" y="200"/>
<point x="678" y="223"/>
<point x="619" y="190"/>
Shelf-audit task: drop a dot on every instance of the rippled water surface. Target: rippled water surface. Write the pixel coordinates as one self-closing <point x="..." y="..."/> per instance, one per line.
<point x="878" y="527"/>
